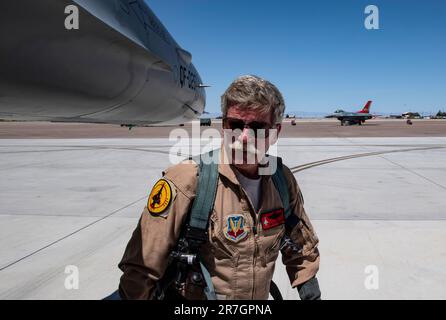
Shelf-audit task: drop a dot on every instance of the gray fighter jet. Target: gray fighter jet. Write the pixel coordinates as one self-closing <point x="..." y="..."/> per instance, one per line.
<point x="348" y="118"/>
<point x="120" y="66"/>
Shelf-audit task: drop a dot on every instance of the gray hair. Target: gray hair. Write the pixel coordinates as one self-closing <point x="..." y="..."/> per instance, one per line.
<point x="254" y="93"/>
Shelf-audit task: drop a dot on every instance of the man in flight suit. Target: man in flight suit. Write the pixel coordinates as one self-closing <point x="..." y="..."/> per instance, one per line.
<point x="246" y="225"/>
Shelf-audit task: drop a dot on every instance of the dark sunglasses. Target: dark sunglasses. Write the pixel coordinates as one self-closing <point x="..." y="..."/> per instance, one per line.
<point x="234" y="123"/>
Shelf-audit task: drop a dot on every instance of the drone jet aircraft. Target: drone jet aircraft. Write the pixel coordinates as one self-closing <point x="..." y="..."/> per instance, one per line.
<point x="119" y="66"/>
<point x="348" y="118"/>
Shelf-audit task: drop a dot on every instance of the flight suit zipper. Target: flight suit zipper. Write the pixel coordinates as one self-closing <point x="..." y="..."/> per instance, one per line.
<point x="254" y="231"/>
<point x="254" y="261"/>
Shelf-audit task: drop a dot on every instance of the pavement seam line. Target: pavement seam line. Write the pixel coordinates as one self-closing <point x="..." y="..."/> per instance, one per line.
<point x="72" y="233"/>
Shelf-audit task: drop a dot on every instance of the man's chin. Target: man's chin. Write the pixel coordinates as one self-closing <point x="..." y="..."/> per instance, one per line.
<point x="246" y="167"/>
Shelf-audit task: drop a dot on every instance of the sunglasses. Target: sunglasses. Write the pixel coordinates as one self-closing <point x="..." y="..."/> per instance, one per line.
<point x="234" y="124"/>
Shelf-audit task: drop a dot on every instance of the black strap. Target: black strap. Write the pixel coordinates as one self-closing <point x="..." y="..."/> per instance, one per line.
<point x="274" y="291"/>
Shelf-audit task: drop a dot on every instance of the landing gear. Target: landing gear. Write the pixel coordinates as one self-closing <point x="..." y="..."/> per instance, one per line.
<point x="351" y="122"/>
<point x="130" y="126"/>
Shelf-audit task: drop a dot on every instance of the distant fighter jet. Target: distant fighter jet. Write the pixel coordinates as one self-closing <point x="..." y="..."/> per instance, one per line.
<point x="120" y="66"/>
<point x="348" y="118"/>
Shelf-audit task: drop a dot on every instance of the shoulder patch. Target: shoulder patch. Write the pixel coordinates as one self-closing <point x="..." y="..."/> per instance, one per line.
<point x="235" y="228"/>
<point x="160" y="197"/>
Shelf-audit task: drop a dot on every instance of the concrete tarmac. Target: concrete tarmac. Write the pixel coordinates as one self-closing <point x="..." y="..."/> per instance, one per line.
<point x="304" y="128"/>
<point x="380" y="217"/>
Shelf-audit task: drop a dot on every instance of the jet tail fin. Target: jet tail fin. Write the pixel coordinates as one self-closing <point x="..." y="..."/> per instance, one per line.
<point x="366" y="108"/>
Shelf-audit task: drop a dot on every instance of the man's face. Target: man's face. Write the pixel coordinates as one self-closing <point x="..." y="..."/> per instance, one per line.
<point x="248" y="134"/>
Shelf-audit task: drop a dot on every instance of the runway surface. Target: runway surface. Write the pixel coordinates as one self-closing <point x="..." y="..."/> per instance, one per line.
<point x="75" y="202"/>
<point x="304" y="128"/>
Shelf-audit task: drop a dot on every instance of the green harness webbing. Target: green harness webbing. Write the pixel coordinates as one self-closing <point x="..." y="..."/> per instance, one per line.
<point x="206" y="189"/>
<point x="197" y="225"/>
<point x="281" y="185"/>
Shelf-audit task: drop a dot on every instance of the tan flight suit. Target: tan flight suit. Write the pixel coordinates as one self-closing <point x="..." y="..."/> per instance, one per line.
<point x="241" y="266"/>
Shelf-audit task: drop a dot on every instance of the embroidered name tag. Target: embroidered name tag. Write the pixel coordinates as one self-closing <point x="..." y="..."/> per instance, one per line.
<point x="272" y="219"/>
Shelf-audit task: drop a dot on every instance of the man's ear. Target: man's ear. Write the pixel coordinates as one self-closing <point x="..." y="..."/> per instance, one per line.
<point x="273" y="138"/>
<point x="279" y="127"/>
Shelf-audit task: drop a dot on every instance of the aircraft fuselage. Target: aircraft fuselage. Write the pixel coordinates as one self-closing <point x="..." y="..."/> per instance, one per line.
<point x="120" y="66"/>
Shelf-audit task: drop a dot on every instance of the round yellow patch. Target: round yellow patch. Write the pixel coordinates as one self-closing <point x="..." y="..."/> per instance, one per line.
<point x="160" y="197"/>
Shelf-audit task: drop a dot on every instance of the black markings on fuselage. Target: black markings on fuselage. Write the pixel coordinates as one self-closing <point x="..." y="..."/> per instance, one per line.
<point x="188" y="78"/>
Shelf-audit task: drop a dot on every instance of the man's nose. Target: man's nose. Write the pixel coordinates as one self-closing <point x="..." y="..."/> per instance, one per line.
<point x="247" y="134"/>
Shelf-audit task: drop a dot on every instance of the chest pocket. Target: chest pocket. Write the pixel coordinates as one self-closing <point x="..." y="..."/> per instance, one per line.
<point x="272" y="230"/>
<point x="219" y="244"/>
<point x="270" y="242"/>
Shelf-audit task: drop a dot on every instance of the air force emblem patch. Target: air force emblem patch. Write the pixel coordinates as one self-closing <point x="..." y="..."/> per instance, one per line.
<point x="160" y="197"/>
<point x="235" y="228"/>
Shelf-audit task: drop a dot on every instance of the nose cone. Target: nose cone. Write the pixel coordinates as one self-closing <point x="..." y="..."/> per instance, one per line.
<point x="201" y="94"/>
<point x="201" y="100"/>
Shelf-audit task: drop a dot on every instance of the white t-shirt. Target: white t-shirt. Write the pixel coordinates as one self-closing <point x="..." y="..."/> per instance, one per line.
<point x="251" y="187"/>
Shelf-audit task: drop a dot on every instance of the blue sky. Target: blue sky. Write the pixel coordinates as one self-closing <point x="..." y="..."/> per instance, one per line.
<point x="318" y="53"/>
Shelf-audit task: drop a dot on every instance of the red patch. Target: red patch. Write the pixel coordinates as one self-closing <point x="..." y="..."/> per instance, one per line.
<point x="272" y="219"/>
